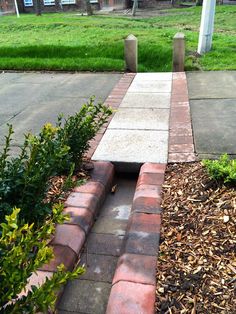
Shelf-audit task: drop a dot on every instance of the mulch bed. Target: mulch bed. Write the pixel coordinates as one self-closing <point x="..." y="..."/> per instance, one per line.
<point x="196" y="270"/>
<point x="58" y="191"/>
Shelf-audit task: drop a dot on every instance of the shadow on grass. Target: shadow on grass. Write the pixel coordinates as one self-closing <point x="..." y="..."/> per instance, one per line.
<point x="94" y="58"/>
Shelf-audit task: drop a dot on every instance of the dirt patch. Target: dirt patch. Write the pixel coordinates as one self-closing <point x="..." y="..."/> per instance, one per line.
<point x="196" y="271"/>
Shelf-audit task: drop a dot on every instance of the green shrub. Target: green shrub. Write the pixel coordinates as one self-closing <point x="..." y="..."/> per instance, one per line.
<point x="23" y="249"/>
<point x="55" y="151"/>
<point x="223" y="169"/>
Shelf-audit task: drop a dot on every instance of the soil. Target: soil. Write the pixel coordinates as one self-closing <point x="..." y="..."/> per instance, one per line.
<point x="196" y="270"/>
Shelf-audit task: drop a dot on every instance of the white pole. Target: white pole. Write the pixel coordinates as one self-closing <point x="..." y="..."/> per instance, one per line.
<point x="207" y="26"/>
<point x="17" y="10"/>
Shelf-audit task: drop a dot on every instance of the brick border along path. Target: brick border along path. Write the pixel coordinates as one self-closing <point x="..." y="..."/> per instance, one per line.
<point x="83" y="203"/>
<point x="181" y="143"/>
<point x="134" y="283"/>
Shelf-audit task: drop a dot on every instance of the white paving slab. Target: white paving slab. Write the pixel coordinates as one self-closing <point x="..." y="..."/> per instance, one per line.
<point x="138" y="132"/>
<point x="133" y="146"/>
<point x="159" y="76"/>
<point x="140" y="119"/>
<point x="145" y="100"/>
<point x="150" y="86"/>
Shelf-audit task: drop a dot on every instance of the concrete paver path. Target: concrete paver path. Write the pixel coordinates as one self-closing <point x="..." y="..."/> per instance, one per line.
<point x="138" y="132"/>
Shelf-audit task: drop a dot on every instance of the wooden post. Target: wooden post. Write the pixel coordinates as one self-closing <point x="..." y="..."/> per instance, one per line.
<point x="131" y="53"/>
<point x="178" y="52"/>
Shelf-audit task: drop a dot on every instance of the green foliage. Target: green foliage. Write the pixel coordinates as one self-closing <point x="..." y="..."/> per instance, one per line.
<point x="56" y="150"/>
<point x="96" y="43"/>
<point x="223" y="169"/>
<point x="80" y="128"/>
<point x="23" y="249"/>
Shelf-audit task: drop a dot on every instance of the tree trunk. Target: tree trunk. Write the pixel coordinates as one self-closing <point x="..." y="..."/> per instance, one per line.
<point x="58" y="5"/>
<point x="88" y="6"/>
<point x="199" y="3"/>
<point x="135" y="6"/>
<point x="38" y="10"/>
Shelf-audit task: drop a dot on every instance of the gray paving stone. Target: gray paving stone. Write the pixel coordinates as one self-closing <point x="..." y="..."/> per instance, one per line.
<point x="140" y="119"/>
<point x="158" y="76"/>
<point x="32" y="118"/>
<point x="118" y="205"/>
<point x="110" y="225"/>
<point x="133" y="146"/>
<point x="98" y="84"/>
<point x="6" y="78"/>
<point x="145" y="100"/>
<point x="213" y="84"/>
<point x="85" y="296"/>
<point x="28" y="100"/>
<point x="105" y="244"/>
<point x="214" y="125"/>
<point x="44" y="78"/>
<point x="98" y="267"/>
<point x="150" y="87"/>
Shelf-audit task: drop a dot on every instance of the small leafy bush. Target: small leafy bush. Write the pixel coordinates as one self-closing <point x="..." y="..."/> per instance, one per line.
<point x="223" y="169"/>
<point x="23" y="249"/>
<point x="56" y="150"/>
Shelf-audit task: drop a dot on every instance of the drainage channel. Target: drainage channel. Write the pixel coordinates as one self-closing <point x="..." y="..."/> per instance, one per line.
<point x="90" y="292"/>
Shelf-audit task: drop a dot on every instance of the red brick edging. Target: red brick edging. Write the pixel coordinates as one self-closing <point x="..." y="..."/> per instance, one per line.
<point x="84" y="202"/>
<point x="134" y="283"/>
<point x="181" y="145"/>
<point x="82" y="205"/>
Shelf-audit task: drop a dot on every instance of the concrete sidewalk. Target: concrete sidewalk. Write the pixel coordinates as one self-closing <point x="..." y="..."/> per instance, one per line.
<point x="212" y="97"/>
<point x="29" y="100"/>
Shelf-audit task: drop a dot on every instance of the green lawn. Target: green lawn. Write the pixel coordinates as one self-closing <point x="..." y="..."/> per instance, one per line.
<point x="68" y="42"/>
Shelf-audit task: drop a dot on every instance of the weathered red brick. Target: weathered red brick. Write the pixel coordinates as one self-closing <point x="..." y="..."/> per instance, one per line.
<point x="179" y="97"/>
<point x="179" y="86"/>
<point x="140" y="242"/>
<point x="136" y="268"/>
<point x="180" y="115"/>
<point x="86" y="200"/>
<point x="62" y="255"/>
<point x="80" y="216"/>
<point x="148" y="191"/>
<point x="147" y="205"/>
<point x="177" y="140"/>
<point x="131" y="298"/>
<point x="150" y="179"/>
<point x="103" y="172"/>
<point x="36" y="279"/>
<point x="179" y="75"/>
<point x="92" y="187"/>
<point x="181" y="148"/>
<point x="144" y="223"/>
<point x="153" y="168"/>
<point x="178" y="104"/>
<point x="181" y="157"/>
<point x="69" y="235"/>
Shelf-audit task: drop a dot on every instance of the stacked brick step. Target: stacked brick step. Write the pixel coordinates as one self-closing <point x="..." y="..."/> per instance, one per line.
<point x="134" y="281"/>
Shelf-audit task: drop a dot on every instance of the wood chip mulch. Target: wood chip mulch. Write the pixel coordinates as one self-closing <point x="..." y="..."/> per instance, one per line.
<point x="196" y="269"/>
<point x="57" y="189"/>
